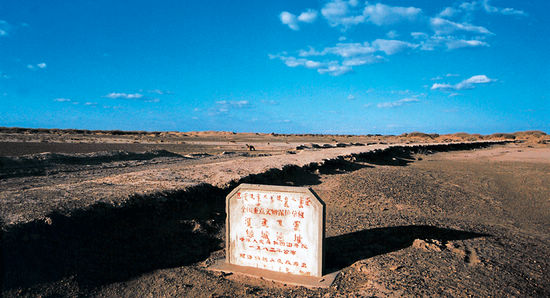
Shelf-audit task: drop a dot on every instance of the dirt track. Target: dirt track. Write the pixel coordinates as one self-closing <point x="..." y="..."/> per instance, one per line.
<point x="444" y="225"/>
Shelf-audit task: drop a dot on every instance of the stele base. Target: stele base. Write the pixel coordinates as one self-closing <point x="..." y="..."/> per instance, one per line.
<point x="285" y="278"/>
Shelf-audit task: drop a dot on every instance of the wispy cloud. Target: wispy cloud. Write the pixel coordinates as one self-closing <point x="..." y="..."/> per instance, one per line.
<point x="448" y="12"/>
<point x="392" y="34"/>
<point x="446" y="30"/>
<point x="444" y="26"/>
<point x="343" y="13"/>
<point x="225" y="106"/>
<point x="160" y="92"/>
<point x="391" y="47"/>
<point x="484" y="5"/>
<point x="41" y="65"/>
<point x="5" y="27"/>
<point x="469" y="83"/>
<point x="398" y="103"/>
<point x="461" y="43"/>
<point x="381" y="14"/>
<point x="62" y="99"/>
<point x="117" y="95"/>
<point x="292" y="21"/>
<point x="349" y="13"/>
<point x="449" y="42"/>
<point x="342" y="57"/>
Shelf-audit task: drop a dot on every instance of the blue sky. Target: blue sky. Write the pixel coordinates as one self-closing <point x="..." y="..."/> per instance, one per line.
<point x="346" y="67"/>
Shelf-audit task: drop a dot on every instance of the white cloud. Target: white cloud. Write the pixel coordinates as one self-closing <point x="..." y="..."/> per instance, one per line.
<point x="448" y="12"/>
<point x="488" y="8"/>
<point x="41" y="65"/>
<point x="478" y="79"/>
<point x="419" y="35"/>
<point x="310" y="52"/>
<point x="308" y="16"/>
<point x="270" y="102"/>
<point x="90" y="103"/>
<point x="438" y="86"/>
<point x="349" y="13"/>
<point x="392" y="34"/>
<point x="335" y="69"/>
<point x="362" y="60"/>
<point x="350" y="49"/>
<point x="4" y="28"/>
<point x="160" y="92"/>
<point x="391" y="47"/>
<point x="469" y="5"/>
<point x="461" y="43"/>
<point x="294" y="62"/>
<point x="393" y="104"/>
<point x="62" y="99"/>
<point x="289" y="19"/>
<point x="465" y="84"/>
<point x="381" y="14"/>
<point x="505" y="11"/>
<point x="342" y="57"/>
<point x="450" y="42"/>
<point x="116" y="95"/>
<point x="443" y="26"/>
<point x="351" y="97"/>
<point x="225" y="106"/>
<point x="234" y="103"/>
<point x="342" y="13"/>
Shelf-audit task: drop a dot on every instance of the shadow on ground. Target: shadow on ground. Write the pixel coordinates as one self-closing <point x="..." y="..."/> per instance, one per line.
<point x="292" y="175"/>
<point x="344" y="250"/>
<point x="106" y="244"/>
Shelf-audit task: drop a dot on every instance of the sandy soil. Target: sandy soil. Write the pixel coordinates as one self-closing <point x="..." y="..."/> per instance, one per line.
<point x="404" y="223"/>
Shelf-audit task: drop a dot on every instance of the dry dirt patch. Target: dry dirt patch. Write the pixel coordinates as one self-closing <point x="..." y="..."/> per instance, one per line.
<point x="396" y="226"/>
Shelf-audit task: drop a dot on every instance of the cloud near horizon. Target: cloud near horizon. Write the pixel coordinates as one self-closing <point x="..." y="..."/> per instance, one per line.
<point x="225" y="106"/>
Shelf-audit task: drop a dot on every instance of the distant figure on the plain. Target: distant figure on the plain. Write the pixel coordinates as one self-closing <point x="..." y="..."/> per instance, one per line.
<point x="250" y="147"/>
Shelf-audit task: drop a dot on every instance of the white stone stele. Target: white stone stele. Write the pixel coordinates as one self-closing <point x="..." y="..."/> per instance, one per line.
<point x="275" y="228"/>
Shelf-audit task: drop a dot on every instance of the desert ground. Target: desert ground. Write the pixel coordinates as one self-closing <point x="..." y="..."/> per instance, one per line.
<point x="112" y="213"/>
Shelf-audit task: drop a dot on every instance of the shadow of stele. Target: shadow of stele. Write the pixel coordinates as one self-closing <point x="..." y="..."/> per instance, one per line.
<point x="105" y="244"/>
<point x="344" y="250"/>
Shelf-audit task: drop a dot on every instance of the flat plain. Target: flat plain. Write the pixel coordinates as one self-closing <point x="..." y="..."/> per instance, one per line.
<point x="134" y="214"/>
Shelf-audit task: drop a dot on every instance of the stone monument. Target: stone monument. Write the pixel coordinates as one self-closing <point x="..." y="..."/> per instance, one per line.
<point x="277" y="233"/>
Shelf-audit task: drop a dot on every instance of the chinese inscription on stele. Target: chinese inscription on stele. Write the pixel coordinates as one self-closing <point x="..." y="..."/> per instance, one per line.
<point x="277" y="228"/>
